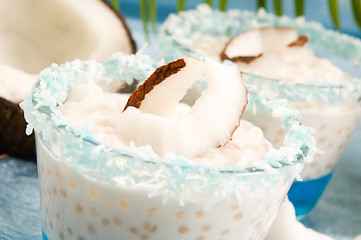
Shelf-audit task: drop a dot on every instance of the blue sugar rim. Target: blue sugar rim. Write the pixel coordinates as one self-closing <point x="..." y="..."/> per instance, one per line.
<point x="98" y="160"/>
<point x="175" y="39"/>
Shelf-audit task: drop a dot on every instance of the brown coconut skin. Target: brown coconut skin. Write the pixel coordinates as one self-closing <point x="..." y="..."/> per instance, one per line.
<point x="301" y="41"/>
<point x="159" y="75"/>
<point x="122" y="20"/>
<point x="13" y="140"/>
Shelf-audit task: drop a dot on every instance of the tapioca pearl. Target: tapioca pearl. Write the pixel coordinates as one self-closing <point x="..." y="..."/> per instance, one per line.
<point x="277" y="141"/>
<point x="105" y="222"/>
<point x="151" y="228"/>
<point x="64" y="168"/>
<point x="109" y="202"/>
<point x="321" y="140"/>
<point x="151" y="212"/>
<point x="122" y="203"/>
<point x="225" y="232"/>
<point x="322" y="127"/>
<point x="61" y="236"/>
<point x="206" y="228"/>
<point x="356" y="120"/>
<point x="340" y="131"/>
<point x="183" y="229"/>
<point x="117" y="221"/>
<point x="234" y="207"/>
<point x="144" y="237"/>
<point x="200" y="238"/>
<point x="81" y="238"/>
<point x="41" y="167"/>
<point x="179" y="215"/>
<point x="280" y="133"/>
<point x="238" y="216"/>
<point x="58" y="177"/>
<point x="93" y="192"/>
<point x="69" y="231"/>
<point x="134" y="230"/>
<point x="63" y="193"/>
<point x="349" y="135"/>
<point x="79" y="209"/>
<point x="264" y="129"/>
<point x="72" y="185"/>
<point x="94" y="212"/>
<point x="91" y="229"/>
<point x="330" y="145"/>
<point x="341" y="146"/>
<point x="51" y="226"/>
<point x="57" y="215"/>
<point x="313" y="164"/>
<point x="349" y="127"/>
<point x="49" y="172"/>
<point x="199" y="214"/>
<point x="54" y="191"/>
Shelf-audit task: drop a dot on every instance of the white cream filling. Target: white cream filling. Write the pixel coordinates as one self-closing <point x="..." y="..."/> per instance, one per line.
<point x="295" y="64"/>
<point x="88" y="105"/>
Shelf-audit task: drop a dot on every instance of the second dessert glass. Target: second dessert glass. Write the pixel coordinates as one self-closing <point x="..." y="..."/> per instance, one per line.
<point x="332" y="108"/>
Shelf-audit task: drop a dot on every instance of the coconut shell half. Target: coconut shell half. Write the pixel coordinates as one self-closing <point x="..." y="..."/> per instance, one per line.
<point x="133" y="46"/>
<point x="13" y="140"/>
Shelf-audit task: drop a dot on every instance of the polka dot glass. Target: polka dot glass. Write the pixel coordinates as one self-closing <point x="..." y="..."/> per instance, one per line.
<point x="332" y="108"/>
<point x="92" y="190"/>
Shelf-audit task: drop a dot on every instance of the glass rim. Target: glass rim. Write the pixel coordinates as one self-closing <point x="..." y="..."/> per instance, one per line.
<point x="100" y="161"/>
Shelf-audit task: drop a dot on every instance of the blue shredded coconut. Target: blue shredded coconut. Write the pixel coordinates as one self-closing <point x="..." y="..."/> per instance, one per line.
<point x="178" y="30"/>
<point x="177" y="176"/>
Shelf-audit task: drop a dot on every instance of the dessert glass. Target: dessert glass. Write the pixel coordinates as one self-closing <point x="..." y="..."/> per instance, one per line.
<point x="91" y="190"/>
<point x="332" y="108"/>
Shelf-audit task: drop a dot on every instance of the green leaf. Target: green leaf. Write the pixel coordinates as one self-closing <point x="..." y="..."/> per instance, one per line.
<point x="143" y="14"/>
<point x="278" y="7"/>
<point x="209" y="2"/>
<point x="356" y="7"/>
<point x="334" y="13"/>
<point x="261" y="4"/>
<point x="299" y="8"/>
<point x="153" y="14"/>
<point x="115" y="4"/>
<point x="181" y="5"/>
<point x="223" y="5"/>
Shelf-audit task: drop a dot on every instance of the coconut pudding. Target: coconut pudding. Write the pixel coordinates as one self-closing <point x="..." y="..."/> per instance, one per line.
<point x="312" y="67"/>
<point x="150" y="166"/>
<point x="35" y="34"/>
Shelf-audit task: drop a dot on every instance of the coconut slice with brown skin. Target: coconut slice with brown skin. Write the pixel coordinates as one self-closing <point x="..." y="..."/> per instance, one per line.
<point x="250" y="45"/>
<point x="210" y="122"/>
<point x="34" y="34"/>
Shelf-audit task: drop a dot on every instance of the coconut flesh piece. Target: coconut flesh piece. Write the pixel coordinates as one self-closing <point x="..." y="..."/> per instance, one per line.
<point x="211" y="121"/>
<point x="35" y="34"/>
<point x="250" y="45"/>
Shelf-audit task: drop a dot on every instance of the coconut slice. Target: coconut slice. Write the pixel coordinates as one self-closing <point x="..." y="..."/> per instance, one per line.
<point x="251" y="44"/>
<point x="209" y="124"/>
<point x="35" y="34"/>
<point x="154" y="92"/>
